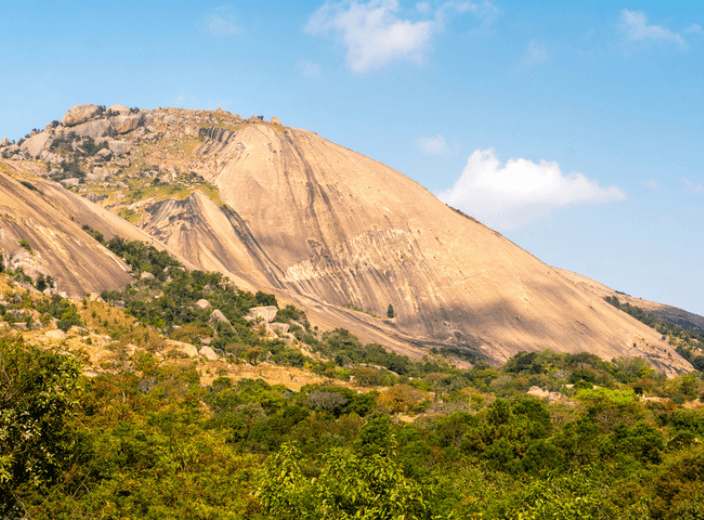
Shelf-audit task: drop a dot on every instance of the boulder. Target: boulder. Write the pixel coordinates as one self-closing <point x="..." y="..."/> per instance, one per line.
<point x="275" y="121"/>
<point x="94" y="129"/>
<point x="280" y="328"/>
<point x="70" y="183"/>
<point x="119" y="147"/>
<point x="217" y="316"/>
<point x="80" y="114"/>
<point x="119" y="109"/>
<point x="35" y="144"/>
<point x="78" y="331"/>
<point x="146" y="276"/>
<point x="95" y="198"/>
<point x="266" y="313"/>
<point x="124" y="124"/>
<point x="183" y="347"/>
<point x="208" y="353"/>
<point x="203" y="304"/>
<point x="5" y="142"/>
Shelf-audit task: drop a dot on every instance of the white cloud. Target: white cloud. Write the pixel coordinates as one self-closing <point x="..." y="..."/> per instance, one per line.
<point x="652" y="185"/>
<point x="635" y="25"/>
<point x="375" y="34"/>
<point x="693" y="28"/>
<point x="433" y="145"/>
<point x="221" y="21"/>
<point x="309" y="68"/>
<point x="521" y="191"/>
<point x="536" y="54"/>
<point x="690" y="187"/>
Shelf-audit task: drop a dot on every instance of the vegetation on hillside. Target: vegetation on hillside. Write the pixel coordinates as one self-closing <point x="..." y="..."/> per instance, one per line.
<point x="688" y="343"/>
<point x="382" y="437"/>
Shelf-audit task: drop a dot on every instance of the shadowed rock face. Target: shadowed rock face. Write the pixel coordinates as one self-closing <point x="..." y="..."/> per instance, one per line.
<point x="322" y="227"/>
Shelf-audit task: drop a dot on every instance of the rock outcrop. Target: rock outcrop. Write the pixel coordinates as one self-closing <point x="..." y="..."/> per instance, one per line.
<point x="80" y="114"/>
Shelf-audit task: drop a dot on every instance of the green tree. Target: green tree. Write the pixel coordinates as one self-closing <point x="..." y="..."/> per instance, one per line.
<point x="349" y="486"/>
<point x="390" y="311"/>
<point x="37" y="398"/>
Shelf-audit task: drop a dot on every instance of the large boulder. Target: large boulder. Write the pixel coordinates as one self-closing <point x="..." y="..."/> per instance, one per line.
<point x="208" y="353"/>
<point x="94" y="129"/>
<point x="218" y="317"/>
<point x="5" y="142"/>
<point x="119" y="109"/>
<point x="80" y="114"/>
<point x="183" y="347"/>
<point x="124" y="124"/>
<point x="265" y="313"/>
<point x="71" y="182"/>
<point x="203" y="304"/>
<point x="35" y="144"/>
<point x="120" y="147"/>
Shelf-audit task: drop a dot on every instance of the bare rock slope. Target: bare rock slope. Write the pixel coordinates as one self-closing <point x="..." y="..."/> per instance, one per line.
<point x="283" y="210"/>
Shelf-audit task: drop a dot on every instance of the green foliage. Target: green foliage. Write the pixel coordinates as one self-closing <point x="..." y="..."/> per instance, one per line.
<point x="25" y="244"/>
<point x="37" y="398"/>
<point x="348" y="486"/>
<point x="390" y="311"/>
<point x="61" y="309"/>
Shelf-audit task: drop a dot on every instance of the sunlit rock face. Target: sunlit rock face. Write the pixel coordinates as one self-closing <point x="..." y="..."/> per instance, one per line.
<point x="324" y="227"/>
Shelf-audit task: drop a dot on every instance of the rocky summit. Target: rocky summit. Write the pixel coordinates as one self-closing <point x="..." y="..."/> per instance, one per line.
<point x="353" y="242"/>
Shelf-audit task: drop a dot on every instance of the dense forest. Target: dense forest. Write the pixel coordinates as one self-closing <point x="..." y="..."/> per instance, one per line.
<point x="546" y="436"/>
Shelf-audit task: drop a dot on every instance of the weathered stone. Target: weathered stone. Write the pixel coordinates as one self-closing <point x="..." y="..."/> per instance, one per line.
<point x="119" y="109"/>
<point x="205" y="342"/>
<point x="124" y="124"/>
<point x="55" y="334"/>
<point x="20" y="326"/>
<point x="266" y="313"/>
<point x="95" y="197"/>
<point x="5" y="142"/>
<point x="79" y="114"/>
<point x="280" y="328"/>
<point x="120" y="147"/>
<point x="146" y="276"/>
<point x="94" y="129"/>
<point x="78" y="331"/>
<point x="182" y="346"/>
<point x="218" y="317"/>
<point x="70" y="183"/>
<point x="203" y="304"/>
<point x="208" y="353"/>
<point x="275" y="121"/>
<point x="35" y="144"/>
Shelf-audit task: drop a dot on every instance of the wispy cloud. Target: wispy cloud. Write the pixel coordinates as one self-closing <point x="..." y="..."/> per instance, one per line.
<point x="652" y="185"/>
<point x="375" y="33"/>
<point x="536" y="54"/>
<point x="691" y="187"/>
<point x="521" y="191"/>
<point x="636" y="29"/>
<point x="309" y="68"/>
<point x="433" y="145"/>
<point x="221" y="21"/>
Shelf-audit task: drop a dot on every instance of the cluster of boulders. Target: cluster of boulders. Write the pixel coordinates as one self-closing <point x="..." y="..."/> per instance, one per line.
<point x="78" y="125"/>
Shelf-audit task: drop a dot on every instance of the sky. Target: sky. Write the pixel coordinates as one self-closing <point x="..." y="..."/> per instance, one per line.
<point x="576" y="129"/>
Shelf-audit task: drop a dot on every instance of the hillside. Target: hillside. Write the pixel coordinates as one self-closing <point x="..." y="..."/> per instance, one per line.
<point x="282" y="210"/>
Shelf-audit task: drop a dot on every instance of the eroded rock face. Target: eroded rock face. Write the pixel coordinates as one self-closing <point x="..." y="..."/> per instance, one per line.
<point x="80" y="114"/>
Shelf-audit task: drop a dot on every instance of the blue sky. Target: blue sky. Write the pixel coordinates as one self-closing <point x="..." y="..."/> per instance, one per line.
<point x="574" y="128"/>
